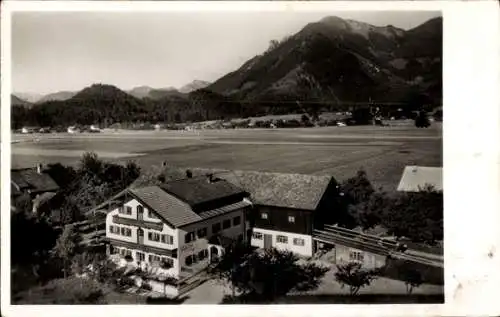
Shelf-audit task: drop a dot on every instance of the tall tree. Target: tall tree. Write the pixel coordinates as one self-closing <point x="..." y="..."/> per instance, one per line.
<point x="67" y="246"/>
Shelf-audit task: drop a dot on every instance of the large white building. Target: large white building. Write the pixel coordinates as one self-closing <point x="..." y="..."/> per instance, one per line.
<point x="175" y="229"/>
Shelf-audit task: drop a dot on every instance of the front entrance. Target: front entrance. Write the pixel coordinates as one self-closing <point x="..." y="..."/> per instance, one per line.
<point x="140" y="236"/>
<point x="268" y="241"/>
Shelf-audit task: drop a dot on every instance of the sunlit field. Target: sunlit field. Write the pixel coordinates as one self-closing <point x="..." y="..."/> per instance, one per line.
<point x="338" y="151"/>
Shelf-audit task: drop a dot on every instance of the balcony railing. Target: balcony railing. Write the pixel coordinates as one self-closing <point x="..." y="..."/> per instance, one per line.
<point x="138" y="223"/>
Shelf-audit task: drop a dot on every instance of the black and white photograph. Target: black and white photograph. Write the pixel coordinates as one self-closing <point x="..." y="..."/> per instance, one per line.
<point x="219" y="157"/>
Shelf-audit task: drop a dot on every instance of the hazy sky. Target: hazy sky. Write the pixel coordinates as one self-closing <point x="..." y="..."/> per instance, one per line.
<point x="68" y="51"/>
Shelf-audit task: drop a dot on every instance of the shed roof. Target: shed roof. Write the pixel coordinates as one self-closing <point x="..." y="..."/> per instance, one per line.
<point x="416" y="178"/>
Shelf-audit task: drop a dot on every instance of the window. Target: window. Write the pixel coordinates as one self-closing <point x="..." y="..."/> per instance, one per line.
<point x="123" y="231"/>
<point x="153" y="236"/>
<point x="121" y="210"/>
<point x="236" y="221"/>
<point x="203" y="254"/>
<point x="154" y="258"/>
<point x="356" y="256"/>
<point x="298" y="241"/>
<point x="189" y="237"/>
<point x="140" y="209"/>
<point x="281" y="239"/>
<point x="166" y="238"/>
<point x="128" y="210"/>
<point x="190" y="260"/>
<point x="263" y="215"/>
<point x="114" y="229"/>
<point x="202" y="232"/>
<point x="226" y="224"/>
<point x="291" y="219"/>
<point x="128" y="232"/>
<point x="257" y="235"/>
<point x="140" y="256"/>
<point x="151" y="215"/>
<point x="125" y="252"/>
<point x="215" y="228"/>
<point x="168" y="261"/>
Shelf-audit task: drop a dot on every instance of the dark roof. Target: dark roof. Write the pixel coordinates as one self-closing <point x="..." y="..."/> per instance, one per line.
<point x="30" y="179"/>
<point x="200" y="190"/>
<point x="272" y="189"/>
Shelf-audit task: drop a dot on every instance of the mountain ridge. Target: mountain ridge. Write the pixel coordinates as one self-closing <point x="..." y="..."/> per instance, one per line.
<point x="328" y="64"/>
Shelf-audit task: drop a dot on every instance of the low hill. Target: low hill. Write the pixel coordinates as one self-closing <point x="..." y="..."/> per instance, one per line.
<point x="57" y="96"/>
<point x="16" y="101"/>
<point x="194" y="85"/>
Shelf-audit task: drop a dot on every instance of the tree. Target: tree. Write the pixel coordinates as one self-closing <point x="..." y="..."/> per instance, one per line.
<point x="266" y="275"/>
<point x="416" y="215"/>
<point x="31" y="253"/>
<point x="227" y="267"/>
<point x="368" y="214"/>
<point x="353" y="275"/>
<point x="67" y="246"/>
<point x="62" y="175"/>
<point x="91" y="164"/>
<point x="357" y="189"/>
<point x="422" y="120"/>
<point x="412" y="278"/>
<point x="353" y="193"/>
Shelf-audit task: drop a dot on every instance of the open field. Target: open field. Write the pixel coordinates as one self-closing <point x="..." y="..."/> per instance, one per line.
<point x="338" y="151"/>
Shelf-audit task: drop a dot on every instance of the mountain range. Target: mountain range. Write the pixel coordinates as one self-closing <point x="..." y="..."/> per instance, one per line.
<point x="328" y="64"/>
<point x="138" y="92"/>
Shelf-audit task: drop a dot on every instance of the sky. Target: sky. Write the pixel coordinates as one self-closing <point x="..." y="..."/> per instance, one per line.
<point x="56" y="51"/>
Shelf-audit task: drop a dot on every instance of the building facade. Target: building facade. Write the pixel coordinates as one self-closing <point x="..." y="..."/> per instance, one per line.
<point x="175" y="230"/>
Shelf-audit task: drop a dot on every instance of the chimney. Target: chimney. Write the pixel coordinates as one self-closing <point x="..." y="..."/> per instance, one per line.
<point x="39" y="168"/>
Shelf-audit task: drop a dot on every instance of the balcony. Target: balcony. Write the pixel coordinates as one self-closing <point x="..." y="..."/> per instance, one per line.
<point x="142" y="247"/>
<point x="138" y="223"/>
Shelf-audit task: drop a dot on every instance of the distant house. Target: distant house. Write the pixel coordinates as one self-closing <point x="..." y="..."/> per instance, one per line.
<point x="73" y="129"/>
<point x="34" y="182"/>
<point x="174" y="230"/>
<point x="416" y="178"/>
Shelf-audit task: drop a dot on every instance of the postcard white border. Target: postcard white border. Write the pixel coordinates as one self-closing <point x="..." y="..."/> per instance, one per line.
<point x="471" y="160"/>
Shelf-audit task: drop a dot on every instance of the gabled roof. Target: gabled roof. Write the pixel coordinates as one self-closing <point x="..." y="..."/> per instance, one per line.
<point x="30" y="179"/>
<point x="272" y="189"/>
<point x="297" y="191"/>
<point x="173" y="210"/>
<point x="200" y="190"/>
<point x="416" y="178"/>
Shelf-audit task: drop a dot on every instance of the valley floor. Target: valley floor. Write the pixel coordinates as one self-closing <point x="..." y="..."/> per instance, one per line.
<point x="338" y="151"/>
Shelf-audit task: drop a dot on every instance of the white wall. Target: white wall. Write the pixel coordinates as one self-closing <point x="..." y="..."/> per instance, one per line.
<point x="305" y="250"/>
<point x="370" y="260"/>
<point x="186" y="249"/>
<point x="166" y="230"/>
<point x="134" y="203"/>
<point x="173" y="271"/>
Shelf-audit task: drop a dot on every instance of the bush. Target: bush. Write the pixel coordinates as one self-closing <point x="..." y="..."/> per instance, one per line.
<point x="64" y="291"/>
